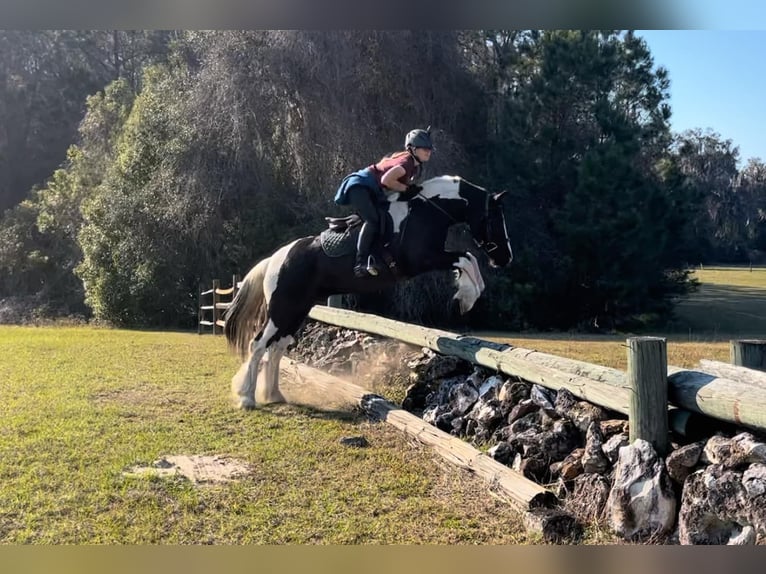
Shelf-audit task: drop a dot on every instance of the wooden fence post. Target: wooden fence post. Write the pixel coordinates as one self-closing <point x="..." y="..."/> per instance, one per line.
<point x="216" y="299"/>
<point x="648" y="380"/>
<point x="335" y="301"/>
<point x="200" y="312"/>
<point x="750" y="353"/>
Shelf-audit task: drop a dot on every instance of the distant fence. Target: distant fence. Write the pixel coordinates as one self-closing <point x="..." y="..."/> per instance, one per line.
<point x="213" y="304"/>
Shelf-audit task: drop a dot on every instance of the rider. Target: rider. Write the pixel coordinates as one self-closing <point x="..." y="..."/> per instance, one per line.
<point x="367" y="188"/>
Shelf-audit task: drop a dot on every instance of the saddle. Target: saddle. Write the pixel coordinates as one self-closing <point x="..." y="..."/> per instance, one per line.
<point x="339" y="239"/>
<point x="341" y="224"/>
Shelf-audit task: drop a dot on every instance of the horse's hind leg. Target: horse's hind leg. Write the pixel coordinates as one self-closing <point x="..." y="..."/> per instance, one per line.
<point x="290" y="314"/>
<point x="244" y="383"/>
<point x="269" y="391"/>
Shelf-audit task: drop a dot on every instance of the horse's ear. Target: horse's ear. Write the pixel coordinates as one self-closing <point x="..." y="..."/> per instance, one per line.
<point x="500" y="196"/>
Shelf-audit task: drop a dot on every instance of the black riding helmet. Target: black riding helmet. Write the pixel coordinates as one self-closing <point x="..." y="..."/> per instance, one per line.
<point x="419" y="138"/>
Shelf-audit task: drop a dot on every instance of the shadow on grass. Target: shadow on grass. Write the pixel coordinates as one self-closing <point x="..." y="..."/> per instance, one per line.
<point x="727" y="309"/>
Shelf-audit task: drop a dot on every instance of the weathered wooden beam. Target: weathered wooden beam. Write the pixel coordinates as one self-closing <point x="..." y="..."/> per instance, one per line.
<point x="702" y="393"/>
<point x="727" y="371"/>
<point x="647" y="374"/>
<point x="503" y="481"/>
<point x="481" y="352"/>
<point x="718" y="397"/>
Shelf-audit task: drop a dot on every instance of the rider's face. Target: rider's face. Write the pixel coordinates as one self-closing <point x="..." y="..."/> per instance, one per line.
<point x="423" y="154"/>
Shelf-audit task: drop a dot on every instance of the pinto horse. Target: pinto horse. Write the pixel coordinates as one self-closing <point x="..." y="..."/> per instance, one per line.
<point x="278" y="292"/>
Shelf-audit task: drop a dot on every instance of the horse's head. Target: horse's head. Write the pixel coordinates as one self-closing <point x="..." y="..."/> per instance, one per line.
<point x="486" y="218"/>
<point x="465" y="202"/>
<point x="491" y="233"/>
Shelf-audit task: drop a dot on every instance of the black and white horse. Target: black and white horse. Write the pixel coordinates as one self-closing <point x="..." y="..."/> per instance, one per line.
<point x="279" y="291"/>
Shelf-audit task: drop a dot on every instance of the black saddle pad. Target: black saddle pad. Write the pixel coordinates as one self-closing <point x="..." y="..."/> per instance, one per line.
<point x="338" y="243"/>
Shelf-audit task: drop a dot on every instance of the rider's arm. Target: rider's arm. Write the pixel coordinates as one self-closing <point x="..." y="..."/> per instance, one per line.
<point x="389" y="179"/>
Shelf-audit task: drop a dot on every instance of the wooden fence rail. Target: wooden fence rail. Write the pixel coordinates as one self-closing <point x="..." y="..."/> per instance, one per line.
<point x="692" y="393"/>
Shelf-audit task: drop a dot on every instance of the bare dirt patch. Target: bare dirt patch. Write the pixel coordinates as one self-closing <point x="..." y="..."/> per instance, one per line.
<point x="199" y="469"/>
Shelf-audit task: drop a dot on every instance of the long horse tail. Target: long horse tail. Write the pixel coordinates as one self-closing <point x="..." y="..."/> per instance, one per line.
<point x="247" y="313"/>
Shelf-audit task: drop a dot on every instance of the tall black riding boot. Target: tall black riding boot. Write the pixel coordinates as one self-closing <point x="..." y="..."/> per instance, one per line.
<point x="365" y="263"/>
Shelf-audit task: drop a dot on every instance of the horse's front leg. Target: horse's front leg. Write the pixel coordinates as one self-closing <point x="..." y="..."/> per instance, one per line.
<point x="470" y="283"/>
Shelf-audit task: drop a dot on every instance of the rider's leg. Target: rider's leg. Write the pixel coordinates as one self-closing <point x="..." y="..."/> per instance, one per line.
<point x="362" y="200"/>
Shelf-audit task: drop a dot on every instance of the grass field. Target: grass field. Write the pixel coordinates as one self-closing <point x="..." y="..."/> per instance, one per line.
<point x="82" y="405"/>
<point x="731" y="301"/>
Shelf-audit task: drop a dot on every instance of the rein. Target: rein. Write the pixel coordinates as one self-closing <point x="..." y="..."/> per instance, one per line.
<point x="488" y="247"/>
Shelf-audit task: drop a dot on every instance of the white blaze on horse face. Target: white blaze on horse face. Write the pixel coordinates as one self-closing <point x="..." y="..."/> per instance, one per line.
<point x="272" y="271"/>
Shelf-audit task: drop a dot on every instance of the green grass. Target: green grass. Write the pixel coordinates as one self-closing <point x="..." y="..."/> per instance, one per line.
<point x="731" y="302"/>
<point x="81" y="406"/>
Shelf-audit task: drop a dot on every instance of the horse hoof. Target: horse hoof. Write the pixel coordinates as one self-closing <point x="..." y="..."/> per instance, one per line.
<point x="246" y="404"/>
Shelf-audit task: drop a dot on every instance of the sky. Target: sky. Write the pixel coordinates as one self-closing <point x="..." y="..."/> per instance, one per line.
<point x="717" y="81"/>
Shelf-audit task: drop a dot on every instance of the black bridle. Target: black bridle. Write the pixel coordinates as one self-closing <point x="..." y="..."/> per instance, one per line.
<point x="487" y="246"/>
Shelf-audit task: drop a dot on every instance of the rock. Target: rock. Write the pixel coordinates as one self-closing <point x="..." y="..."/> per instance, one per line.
<point x="533" y="464"/>
<point x="355" y="441"/>
<point x="594" y="460"/>
<point x="754" y="481"/>
<point x="612" y="447"/>
<point x="444" y="422"/>
<point x="522" y="409"/>
<point x="432" y="413"/>
<point x="458" y="425"/>
<point x="530" y="421"/>
<point x="587" y="501"/>
<point x="476" y="378"/>
<point x="542" y="396"/>
<point x="555" y="525"/>
<point x="490" y="387"/>
<point x="514" y="392"/>
<point x="715" y="509"/>
<point x="415" y="396"/>
<point x="502" y="452"/>
<point x="441" y="366"/>
<point x="582" y="414"/>
<point x="548" y="417"/>
<point x="502" y="434"/>
<point x="612" y="427"/>
<point x="486" y="413"/>
<point x="734" y="452"/>
<point x="681" y="461"/>
<point x="569" y="468"/>
<point x="558" y="442"/>
<point x="565" y="400"/>
<point x="462" y="397"/>
<point x="641" y="502"/>
<point x="486" y="416"/>
<point x="441" y="396"/>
